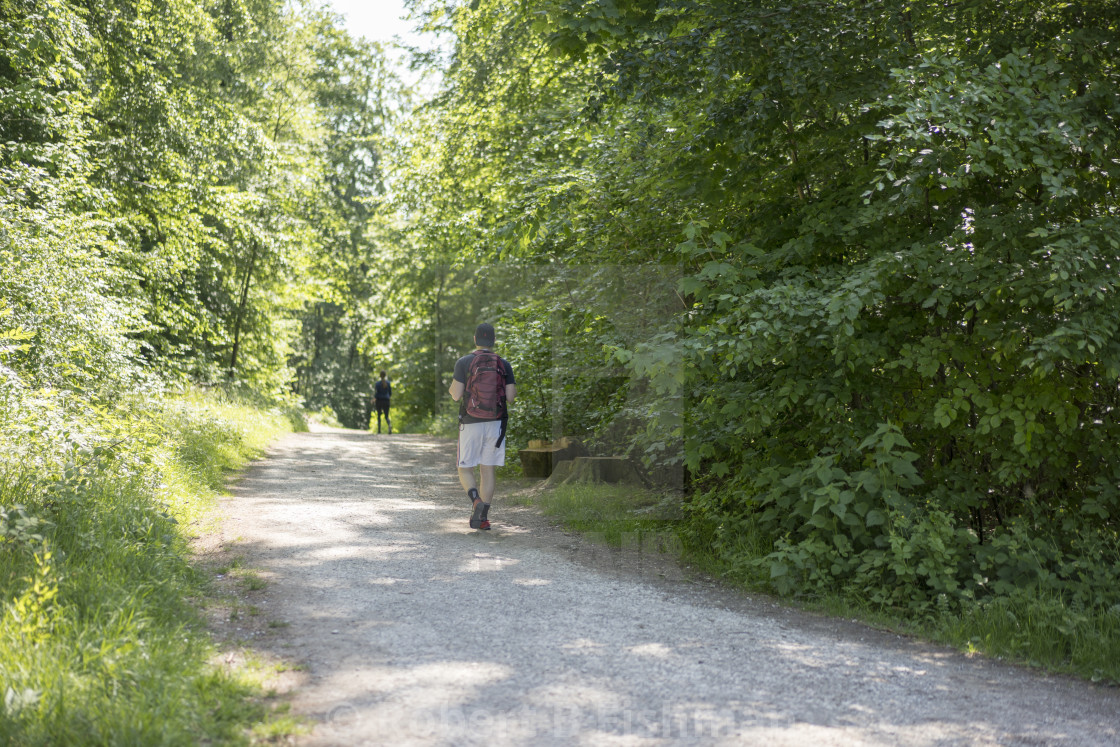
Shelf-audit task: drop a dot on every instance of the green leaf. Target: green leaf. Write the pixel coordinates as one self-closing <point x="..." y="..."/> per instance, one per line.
<point x="875" y="518"/>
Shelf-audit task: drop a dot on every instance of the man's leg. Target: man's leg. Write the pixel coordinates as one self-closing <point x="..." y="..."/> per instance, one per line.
<point x="467" y="479"/>
<point x="488" y="473"/>
<point x="468" y="445"/>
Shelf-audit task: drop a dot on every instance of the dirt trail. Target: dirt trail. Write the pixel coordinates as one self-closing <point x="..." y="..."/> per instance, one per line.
<point x="410" y="628"/>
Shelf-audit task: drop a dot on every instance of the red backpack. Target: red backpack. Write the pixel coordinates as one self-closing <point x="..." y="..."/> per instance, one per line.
<point x="486" y="386"/>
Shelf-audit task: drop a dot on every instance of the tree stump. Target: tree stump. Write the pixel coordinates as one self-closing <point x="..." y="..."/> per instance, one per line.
<point x="542" y="457"/>
<point x="616" y="469"/>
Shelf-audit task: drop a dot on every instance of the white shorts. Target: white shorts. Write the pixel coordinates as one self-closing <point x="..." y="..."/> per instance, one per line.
<point x="476" y="444"/>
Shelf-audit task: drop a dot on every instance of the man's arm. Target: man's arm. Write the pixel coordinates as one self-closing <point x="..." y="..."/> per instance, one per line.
<point x="458" y="388"/>
<point x="511" y="387"/>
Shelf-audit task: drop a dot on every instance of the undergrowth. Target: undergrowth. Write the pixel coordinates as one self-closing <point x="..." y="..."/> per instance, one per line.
<point x="1035" y="626"/>
<point x="98" y="642"/>
<point x="1041" y="626"/>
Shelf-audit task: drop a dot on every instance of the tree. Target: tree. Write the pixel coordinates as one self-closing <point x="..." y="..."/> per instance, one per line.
<point x="359" y="98"/>
<point x="894" y="225"/>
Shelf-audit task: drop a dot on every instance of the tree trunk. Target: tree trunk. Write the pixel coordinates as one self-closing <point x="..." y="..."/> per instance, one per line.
<point x="241" y="311"/>
<point x="437" y="374"/>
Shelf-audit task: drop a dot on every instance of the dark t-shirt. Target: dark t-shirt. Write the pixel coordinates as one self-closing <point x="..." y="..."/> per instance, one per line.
<point x="382" y="390"/>
<point x="462" y="369"/>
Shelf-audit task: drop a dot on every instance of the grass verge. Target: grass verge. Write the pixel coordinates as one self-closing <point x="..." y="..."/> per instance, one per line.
<point x="1032" y="628"/>
<point x="99" y="643"/>
<point x="614" y="514"/>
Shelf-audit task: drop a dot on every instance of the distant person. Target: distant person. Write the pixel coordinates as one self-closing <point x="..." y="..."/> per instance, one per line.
<point x="382" y="394"/>
<point x="483" y="386"/>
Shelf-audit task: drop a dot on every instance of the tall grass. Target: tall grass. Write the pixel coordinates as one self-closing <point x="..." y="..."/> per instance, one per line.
<point x="1042" y="630"/>
<point x="98" y="643"/>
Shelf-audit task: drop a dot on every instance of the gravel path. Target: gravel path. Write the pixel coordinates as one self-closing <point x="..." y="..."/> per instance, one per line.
<point x="410" y="628"/>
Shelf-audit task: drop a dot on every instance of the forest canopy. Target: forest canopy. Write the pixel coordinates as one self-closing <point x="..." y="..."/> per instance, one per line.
<point x="187" y="195"/>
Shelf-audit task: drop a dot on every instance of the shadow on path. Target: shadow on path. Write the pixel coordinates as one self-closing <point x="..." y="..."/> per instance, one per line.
<point x="410" y="628"/>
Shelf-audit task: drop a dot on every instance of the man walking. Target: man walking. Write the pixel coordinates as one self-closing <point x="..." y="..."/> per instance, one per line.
<point x="483" y="385"/>
<point x="382" y="394"/>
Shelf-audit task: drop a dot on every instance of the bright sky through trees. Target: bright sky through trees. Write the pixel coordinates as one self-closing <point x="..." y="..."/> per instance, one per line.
<point x="384" y="21"/>
<point x="376" y="20"/>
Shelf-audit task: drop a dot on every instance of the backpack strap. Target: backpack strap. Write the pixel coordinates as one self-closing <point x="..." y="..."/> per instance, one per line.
<point x="505" y="404"/>
<point x="505" y="423"/>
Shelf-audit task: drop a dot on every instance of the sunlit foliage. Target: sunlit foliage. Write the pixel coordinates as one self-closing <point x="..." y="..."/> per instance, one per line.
<point x="896" y="227"/>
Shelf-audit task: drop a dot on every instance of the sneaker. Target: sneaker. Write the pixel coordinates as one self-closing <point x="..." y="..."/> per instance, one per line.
<point x="484" y="524"/>
<point x="476" y="516"/>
